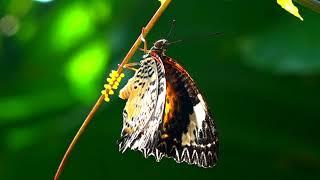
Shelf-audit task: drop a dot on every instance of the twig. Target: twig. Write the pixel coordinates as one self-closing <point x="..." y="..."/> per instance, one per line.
<point x="153" y="20"/>
<point x="311" y="4"/>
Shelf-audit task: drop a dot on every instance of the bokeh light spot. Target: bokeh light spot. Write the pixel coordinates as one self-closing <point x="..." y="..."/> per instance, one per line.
<point x="73" y="24"/>
<point x="27" y="31"/>
<point x="19" y="8"/>
<point x="18" y="139"/>
<point x="9" y="25"/>
<point x="20" y="107"/>
<point x="101" y="10"/>
<point x="43" y="1"/>
<point x="14" y="108"/>
<point x="85" y="69"/>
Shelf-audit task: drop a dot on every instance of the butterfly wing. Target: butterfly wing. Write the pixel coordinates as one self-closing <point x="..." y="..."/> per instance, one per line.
<point x="187" y="132"/>
<point x="143" y="112"/>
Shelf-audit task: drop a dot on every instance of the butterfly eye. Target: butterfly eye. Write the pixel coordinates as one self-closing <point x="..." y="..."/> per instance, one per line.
<point x="158" y="45"/>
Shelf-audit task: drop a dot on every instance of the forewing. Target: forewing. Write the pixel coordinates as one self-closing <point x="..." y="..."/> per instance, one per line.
<point x="142" y="114"/>
<point x="188" y="133"/>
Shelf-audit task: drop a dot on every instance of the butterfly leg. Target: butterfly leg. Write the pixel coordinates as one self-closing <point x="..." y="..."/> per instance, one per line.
<point x="145" y="46"/>
<point x="131" y="66"/>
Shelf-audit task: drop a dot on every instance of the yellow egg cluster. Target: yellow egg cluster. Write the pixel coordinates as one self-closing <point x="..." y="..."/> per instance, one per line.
<point x="113" y="83"/>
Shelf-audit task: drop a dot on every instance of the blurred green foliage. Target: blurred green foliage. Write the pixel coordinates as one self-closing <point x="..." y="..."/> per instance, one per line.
<point x="261" y="80"/>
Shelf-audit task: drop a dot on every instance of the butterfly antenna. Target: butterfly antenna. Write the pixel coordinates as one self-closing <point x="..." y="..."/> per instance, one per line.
<point x="197" y="38"/>
<point x="173" y="25"/>
<point x="213" y="34"/>
<point x="174" y="42"/>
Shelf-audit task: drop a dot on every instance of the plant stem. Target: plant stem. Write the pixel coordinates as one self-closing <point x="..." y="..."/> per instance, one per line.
<point x="147" y="29"/>
<point x="95" y="108"/>
<point x="311" y="4"/>
<point x="78" y="135"/>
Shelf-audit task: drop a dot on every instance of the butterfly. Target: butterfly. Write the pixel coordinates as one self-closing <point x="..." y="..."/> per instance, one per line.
<point x="165" y="114"/>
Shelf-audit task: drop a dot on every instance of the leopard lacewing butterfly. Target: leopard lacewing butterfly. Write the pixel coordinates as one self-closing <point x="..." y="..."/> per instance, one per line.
<point x="165" y="114"/>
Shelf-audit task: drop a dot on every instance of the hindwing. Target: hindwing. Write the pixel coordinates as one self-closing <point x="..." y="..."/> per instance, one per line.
<point x="187" y="132"/>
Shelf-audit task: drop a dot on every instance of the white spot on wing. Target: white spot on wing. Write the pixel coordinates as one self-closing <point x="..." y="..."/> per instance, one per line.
<point x="188" y="138"/>
<point x="200" y="112"/>
<point x="185" y="155"/>
<point x="203" y="159"/>
<point x="177" y="155"/>
<point x="194" y="157"/>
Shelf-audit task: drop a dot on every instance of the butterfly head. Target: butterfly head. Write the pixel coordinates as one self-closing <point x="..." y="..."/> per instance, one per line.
<point x="160" y="45"/>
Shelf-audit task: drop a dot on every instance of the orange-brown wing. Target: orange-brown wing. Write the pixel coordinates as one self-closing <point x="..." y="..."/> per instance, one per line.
<point x="188" y="133"/>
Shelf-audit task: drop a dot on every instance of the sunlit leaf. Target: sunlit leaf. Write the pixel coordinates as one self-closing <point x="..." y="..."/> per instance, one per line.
<point x="290" y="7"/>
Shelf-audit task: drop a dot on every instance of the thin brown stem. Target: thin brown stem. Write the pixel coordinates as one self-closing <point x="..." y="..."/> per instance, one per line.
<point x="95" y="108"/>
<point x="147" y="29"/>
<point x="77" y="136"/>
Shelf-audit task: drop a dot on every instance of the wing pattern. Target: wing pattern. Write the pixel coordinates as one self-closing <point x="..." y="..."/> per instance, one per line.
<point x="143" y="112"/>
<point x="187" y="132"/>
<point x="166" y="115"/>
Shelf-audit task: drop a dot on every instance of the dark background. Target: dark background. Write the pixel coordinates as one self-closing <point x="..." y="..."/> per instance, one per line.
<point x="261" y="79"/>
